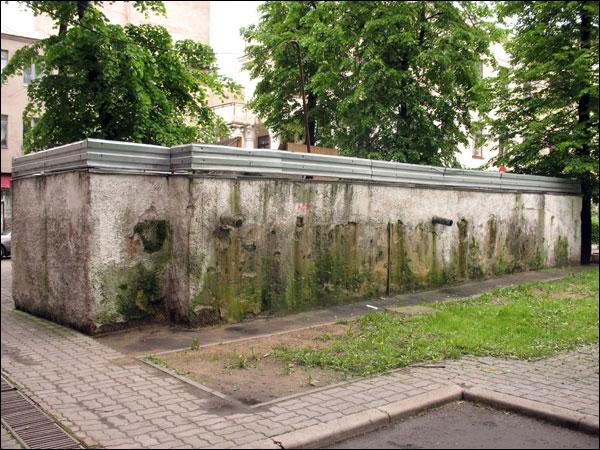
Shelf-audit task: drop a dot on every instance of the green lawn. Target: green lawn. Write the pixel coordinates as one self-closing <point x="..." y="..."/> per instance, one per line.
<point x="523" y="321"/>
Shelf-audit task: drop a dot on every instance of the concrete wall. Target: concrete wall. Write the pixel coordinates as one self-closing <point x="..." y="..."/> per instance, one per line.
<point x="51" y="248"/>
<point x="108" y="249"/>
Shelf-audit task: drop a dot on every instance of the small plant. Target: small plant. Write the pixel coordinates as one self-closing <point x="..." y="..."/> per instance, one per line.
<point x="289" y="369"/>
<point x="324" y="337"/>
<point x="195" y="344"/>
<point x="154" y="360"/>
<point x="241" y="362"/>
<point x="311" y="380"/>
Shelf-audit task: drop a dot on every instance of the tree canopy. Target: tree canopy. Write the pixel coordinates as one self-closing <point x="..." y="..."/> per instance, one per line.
<point x="388" y="80"/>
<point x="546" y="101"/>
<point x="107" y="81"/>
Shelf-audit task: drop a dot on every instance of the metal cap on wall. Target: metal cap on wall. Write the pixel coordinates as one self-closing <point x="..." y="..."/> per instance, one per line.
<point x="124" y="157"/>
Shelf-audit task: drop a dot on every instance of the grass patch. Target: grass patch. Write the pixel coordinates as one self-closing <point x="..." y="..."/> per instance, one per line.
<point x="524" y="321"/>
<point x="159" y="362"/>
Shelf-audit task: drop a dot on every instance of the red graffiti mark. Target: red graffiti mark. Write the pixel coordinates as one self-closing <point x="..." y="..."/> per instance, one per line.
<point x="303" y="208"/>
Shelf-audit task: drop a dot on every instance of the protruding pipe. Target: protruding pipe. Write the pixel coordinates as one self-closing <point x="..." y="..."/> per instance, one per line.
<point x="440" y="220"/>
<point x="232" y="221"/>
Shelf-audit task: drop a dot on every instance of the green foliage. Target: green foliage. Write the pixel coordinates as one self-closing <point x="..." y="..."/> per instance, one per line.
<point x="195" y="344"/>
<point x="107" y="81"/>
<point x="546" y="102"/>
<point x="595" y="230"/>
<point x="523" y="321"/>
<point x="241" y="361"/>
<point x="386" y="80"/>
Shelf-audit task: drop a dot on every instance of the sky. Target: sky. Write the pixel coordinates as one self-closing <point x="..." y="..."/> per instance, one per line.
<point x="227" y="17"/>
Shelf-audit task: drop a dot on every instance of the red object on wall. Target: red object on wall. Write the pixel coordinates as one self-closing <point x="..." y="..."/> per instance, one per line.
<point x="6" y="181"/>
<point x="502" y="169"/>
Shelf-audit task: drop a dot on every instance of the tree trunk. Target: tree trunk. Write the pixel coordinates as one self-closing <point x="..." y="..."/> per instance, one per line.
<point x="312" y="125"/>
<point x="81" y="7"/>
<point x="583" y="110"/>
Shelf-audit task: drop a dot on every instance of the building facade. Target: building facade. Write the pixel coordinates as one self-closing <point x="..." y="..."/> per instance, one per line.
<point x="14" y="101"/>
<point x="183" y="19"/>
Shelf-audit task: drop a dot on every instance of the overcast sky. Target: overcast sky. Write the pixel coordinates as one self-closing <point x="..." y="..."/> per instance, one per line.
<point x="227" y="17"/>
<point x="226" y="20"/>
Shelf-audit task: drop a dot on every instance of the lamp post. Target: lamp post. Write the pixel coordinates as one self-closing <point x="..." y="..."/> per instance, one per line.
<point x="294" y="43"/>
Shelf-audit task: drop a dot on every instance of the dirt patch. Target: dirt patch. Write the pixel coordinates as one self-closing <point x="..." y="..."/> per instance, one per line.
<point x="571" y="293"/>
<point x="247" y="370"/>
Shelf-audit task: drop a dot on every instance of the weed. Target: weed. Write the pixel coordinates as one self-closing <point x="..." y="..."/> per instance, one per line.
<point x="289" y="369"/>
<point x="241" y="361"/>
<point x="195" y="344"/>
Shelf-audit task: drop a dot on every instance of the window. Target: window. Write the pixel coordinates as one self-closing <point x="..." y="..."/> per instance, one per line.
<point x="4" y="131"/>
<point x="4" y="58"/>
<point x="31" y="73"/>
<point x="477" y="148"/>
<point x="28" y="75"/>
<point x="264" y="142"/>
<point x="27" y="126"/>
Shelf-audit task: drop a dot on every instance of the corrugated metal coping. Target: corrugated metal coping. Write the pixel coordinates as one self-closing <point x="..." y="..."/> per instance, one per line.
<point x="29" y="424"/>
<point x="95" y="153"/>
<point x="215" y="158"/>
<point x="117" y="157"/>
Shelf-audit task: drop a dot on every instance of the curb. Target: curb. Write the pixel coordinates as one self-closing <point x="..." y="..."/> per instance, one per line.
<point x="322" y="435"/>
<point x="549" y="413"/>
<point x="319" y="436"/>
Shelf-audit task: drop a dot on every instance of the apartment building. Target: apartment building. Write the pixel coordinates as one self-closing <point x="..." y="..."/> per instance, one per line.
<point x="184" y="20"/>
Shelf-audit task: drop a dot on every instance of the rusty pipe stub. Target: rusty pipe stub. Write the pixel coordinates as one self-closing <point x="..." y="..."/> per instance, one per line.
<point x="441" y="221"/>
<point x="232" y="221"/>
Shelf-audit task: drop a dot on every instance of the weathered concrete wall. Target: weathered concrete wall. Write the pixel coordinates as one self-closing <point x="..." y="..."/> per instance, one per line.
<point x="51" y="245"/>
<point x="199" y="250"/>
<point x="130" y="249"/>
<point x="304" y="244"/>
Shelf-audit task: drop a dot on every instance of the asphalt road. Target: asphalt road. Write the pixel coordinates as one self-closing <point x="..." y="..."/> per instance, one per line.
<point x="465" y="425"/>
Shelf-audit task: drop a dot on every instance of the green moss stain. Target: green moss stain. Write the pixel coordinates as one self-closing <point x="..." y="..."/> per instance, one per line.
<point x="152" y="234"/>
<point x="492" y="235"/>
<point x="463" y="248"/>
<point x="475" y="268"/>
<point x="561" y="251"/>
<point x="140" y="294"/>
<point x="401" y="275"/>
<point x="235" y="196"/>
<point x="436" y="273"/>
<point x="135" y="288"/>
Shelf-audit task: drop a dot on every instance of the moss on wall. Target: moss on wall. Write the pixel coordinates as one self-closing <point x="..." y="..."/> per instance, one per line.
<point x="321" y="256"/>
<point x="561" y="251"/>
<point x="135" y="288"/>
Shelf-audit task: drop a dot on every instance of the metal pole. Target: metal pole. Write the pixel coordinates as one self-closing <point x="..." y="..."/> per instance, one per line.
<point x="296" y="45"/>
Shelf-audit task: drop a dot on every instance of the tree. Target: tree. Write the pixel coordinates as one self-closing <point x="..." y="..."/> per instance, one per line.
<point x="107" y="81"/>
<point x="387" y="80"/>
<point x="546" y="109"/>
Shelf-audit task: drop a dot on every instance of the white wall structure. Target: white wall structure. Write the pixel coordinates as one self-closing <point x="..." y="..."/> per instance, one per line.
<point x="109" y="233"/>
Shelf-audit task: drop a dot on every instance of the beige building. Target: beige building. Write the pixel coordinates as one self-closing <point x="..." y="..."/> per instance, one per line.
<point x="184" y="20"/>
<point x="245" y="128"/>
<point x="14" y="101"/>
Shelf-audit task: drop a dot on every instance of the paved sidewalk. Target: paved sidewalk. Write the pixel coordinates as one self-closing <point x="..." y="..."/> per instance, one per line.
<point x="111" y="400"/>
<point x="7" y="440"/>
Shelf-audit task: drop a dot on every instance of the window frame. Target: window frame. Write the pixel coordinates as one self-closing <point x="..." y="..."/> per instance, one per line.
<point x="4" y="143"/>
